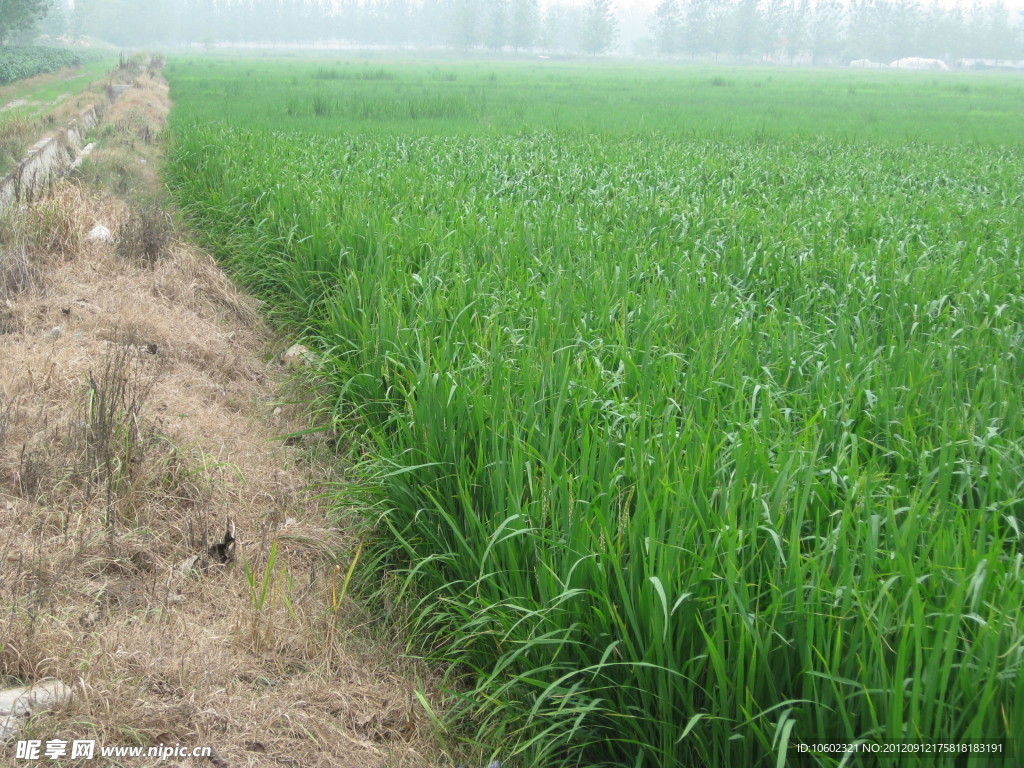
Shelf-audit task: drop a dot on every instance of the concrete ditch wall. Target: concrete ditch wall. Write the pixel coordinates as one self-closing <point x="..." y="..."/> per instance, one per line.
<point x="48" y="161"/>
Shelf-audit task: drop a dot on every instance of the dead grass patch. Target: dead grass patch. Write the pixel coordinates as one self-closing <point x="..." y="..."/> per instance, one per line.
<point x="57" y="225"/>
<point x="139" y="113"/>
<point x="146" y="235"/>
<point x="17" y="273"/>
<point x="129" y="440"/>
<point x="113" y="433"/>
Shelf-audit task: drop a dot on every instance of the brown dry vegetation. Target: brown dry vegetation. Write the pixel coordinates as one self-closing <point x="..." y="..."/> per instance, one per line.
<point x="139" y="417"/>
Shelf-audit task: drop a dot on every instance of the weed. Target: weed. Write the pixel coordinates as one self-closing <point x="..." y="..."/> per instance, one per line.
<point x="56" y="224"/>
<point x="264" y="584"/>
<point x="327" y="74"/>
<point x="322" y="106"/>
<point x="35" y="468"/>
<point x="17" y="271"/>
<point x="146" y="236"/>
<point x="111" y="172"/>
<point x="114" y="435"/>
<point x="16" y="134"/>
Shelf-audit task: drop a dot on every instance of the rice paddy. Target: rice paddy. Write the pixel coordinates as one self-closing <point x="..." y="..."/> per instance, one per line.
<point x="691" y="413"/>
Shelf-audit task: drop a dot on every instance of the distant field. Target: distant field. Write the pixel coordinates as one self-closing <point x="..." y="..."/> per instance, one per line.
<point x="692" y="398"/>
<point x="335" y="97"/>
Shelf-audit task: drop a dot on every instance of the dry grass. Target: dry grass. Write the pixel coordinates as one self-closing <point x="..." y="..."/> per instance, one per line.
<point x="16" y="135"/>
<point x="129" y="151"/>
<point x="138" y="419"/>
<point x="17" y="272"/>
<point x="146" y="235"/>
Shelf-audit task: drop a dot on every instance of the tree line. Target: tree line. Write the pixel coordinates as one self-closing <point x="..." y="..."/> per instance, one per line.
<point x="807" y="31"/>
<point x="836" y="31"/>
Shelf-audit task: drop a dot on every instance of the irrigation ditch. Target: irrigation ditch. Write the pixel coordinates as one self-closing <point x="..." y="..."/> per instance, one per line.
<point x="168" y="564"/>
<point x="54" y="156"/>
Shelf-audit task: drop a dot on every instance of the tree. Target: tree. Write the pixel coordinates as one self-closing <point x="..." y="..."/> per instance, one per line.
<point x="796" y="29"/>
<point x="743" y="27"/>
<point x="20" y="15"/>
<point x="599" y="27"/>
<point x="497" y="24"/>
<point x="827" y="31"/>
<point x="558" y="28"/>
<point x="698" y="22"/>
<point x="667" y="27"/>
<point x="464" y="23"/>
<point x="524" y="26"/>
<point x="773" y="22"/>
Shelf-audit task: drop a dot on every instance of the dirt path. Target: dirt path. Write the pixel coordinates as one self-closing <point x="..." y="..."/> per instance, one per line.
<point x="140" y="414"/>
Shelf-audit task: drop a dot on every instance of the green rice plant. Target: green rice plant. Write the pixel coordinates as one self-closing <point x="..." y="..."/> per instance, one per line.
<point x="322" y="106"/>
<point x="689" y="449"/>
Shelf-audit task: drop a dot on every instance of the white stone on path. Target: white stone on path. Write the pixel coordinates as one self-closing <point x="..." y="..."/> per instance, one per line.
<point x="17" y="705"/>
<point x="99" y="232"/>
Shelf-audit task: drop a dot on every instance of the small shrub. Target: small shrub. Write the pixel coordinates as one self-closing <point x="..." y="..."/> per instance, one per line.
<point x="146" y="235"/>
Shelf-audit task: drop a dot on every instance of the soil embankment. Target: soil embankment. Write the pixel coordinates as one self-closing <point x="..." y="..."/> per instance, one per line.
<point x="141" y="414"/>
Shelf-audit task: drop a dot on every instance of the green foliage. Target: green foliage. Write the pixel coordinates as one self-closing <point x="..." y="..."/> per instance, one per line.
<point x="666" y="26"/>
<point x="600" y="27"/>
<point x="19" y="15"/>
<point x="691" y="445"/>
<point x="17" y="63"/>
<point x="480" y="99"/>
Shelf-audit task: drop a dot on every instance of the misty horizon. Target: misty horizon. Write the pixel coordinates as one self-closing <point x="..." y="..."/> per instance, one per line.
<point x="793" y="32"/>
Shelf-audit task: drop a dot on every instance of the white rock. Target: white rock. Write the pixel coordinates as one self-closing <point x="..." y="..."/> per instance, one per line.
<point x="298" y="355"/>
<point x="100" y="233"/>
<point x="186" y="565"/>
<point x="17" y="705"/>
<point x="55" y="332"/>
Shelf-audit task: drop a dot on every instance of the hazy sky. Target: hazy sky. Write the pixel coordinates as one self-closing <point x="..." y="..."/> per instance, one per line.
<point x="1013" y="5"/>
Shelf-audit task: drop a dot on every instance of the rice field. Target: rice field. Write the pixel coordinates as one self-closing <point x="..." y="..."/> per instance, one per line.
<point x="690" y="402"/>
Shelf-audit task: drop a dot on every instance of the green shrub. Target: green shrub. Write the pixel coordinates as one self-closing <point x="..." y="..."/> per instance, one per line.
<point x="19" y="62"/>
